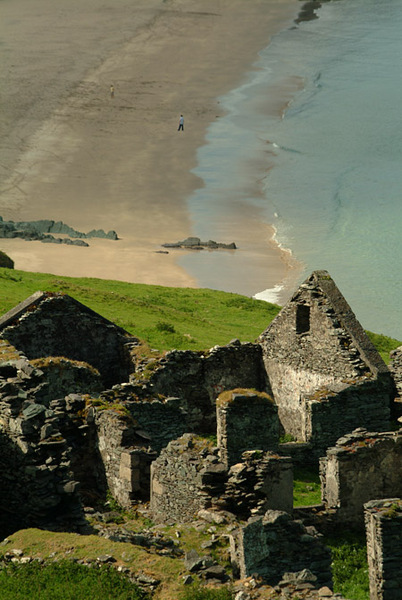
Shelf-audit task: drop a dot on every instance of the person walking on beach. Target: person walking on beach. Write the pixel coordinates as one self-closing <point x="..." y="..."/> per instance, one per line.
<point x="181" y="123"/>
<point x="112" y="91"/>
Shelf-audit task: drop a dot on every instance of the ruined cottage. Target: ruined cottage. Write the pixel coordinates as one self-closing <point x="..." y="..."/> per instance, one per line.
<point x="55" y="324"/>
<point x="323" y="371"/>
<point x="362" y="466"/>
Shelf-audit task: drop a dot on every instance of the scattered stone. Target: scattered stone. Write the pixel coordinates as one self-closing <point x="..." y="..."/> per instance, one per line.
<point x="325" y="592"/>
<point x="216" y="572"/>
<point x="106" y="558"/>
<point x="192" y="561"/>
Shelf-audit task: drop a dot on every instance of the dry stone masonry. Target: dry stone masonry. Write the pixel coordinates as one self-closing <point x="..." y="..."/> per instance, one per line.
<point x="395" y="367"/>
<point x="36" y="482"/>
<point x="84" y="412"/>
<point x="188" y="477"/>
<point x="384" y="548"/>
<point x="259" y="482"/>
<point x="245" y="421"/>
<point x="315" y="350"/>
<point x="53" y="324"/>
<point x="199" y="377"/>
<point x="184" y="478"/>
<point x="273" y="544"/>
<point x="362" y="466"/>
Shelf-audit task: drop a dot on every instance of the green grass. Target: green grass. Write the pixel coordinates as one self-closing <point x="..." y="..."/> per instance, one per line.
<point x="65" y="580"/>
<point x="349" y="566"/>
<point x="196" y="592"/>
<point x="306" y="487"/>
<point x="383" y="344"/>
<point x="166" y="318"/>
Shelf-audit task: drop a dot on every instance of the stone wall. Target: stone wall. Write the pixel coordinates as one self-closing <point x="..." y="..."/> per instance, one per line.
<point x="383" y="520"/>
<point x="330" y="413"/>
<point x="57" y="325"/>
<point x="128" y="442"/>
<point x="110" y="444"/>
<point x="188" y="477"/>
<point x="158" y="422"/>
<point x="362" y="466"/>
<point x="259" y="482"/>
<point x="395" y="367"/>
<point x="184" y="478"/>
<point x="198" y="378"/>
<point x="245" y="421"/>
<point x="273" y="544"/>
<point x="126" y="463"/>
<point x="37" y="487"/>
<point x="65" y="376"/>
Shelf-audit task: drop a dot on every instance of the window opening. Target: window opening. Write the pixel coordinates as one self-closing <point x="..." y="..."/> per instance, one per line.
<point x="302" y="318"/>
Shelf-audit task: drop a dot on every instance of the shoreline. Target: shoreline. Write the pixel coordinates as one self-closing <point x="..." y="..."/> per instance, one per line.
<point x="97" y="162"/>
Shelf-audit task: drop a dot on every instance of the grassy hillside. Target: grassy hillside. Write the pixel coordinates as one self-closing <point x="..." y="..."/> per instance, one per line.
<point x="182" y="318"/>
<point x="167" y="318"/>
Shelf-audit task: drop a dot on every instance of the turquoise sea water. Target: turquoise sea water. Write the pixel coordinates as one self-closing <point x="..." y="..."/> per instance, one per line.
<point x="334" y="193"/>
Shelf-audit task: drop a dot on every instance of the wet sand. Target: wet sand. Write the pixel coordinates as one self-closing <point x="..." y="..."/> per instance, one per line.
<point x="71" y="152"/>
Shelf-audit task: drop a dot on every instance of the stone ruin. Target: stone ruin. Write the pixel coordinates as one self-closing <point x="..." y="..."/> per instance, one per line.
<point x="395" y="368"/>
<point x="245" y="421"/>
<point x="273" y="544"/>
<point x="82" y="413"/>
<point x="362" y="466"/>
<point x="54" y="324"/>
<point x="190" y="476"/>
<point x="324" y="373"/>
<point x="383" y="520"/>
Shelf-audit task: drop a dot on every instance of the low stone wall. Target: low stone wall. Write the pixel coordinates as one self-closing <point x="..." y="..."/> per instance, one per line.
<point x="273" y="544"/>
<point x="362" y="466"/>
<point x="184" y="478"/>
<point x="245" y="421"/>
<point x="260" y="482"/>
<point x="188" y="477"/>
<point x="383" y="520"/>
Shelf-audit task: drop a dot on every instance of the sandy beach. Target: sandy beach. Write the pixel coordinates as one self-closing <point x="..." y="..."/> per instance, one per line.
<point x="71" y="152"/>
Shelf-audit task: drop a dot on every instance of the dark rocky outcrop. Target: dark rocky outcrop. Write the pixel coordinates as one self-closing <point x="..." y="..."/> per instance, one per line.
<point x="194" y="243"/>
<point x="42" y="231"/>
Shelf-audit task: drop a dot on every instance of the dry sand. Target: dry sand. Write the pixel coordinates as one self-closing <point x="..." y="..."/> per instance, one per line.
<point x="70" y="152"/>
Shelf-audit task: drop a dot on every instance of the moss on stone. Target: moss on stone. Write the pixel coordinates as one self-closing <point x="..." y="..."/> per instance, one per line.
<point x="226" y="397"/>
<point x="62" y="363"/>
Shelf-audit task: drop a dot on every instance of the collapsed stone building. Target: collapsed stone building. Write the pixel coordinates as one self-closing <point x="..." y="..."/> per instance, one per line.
<point x="83" y="411"/>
